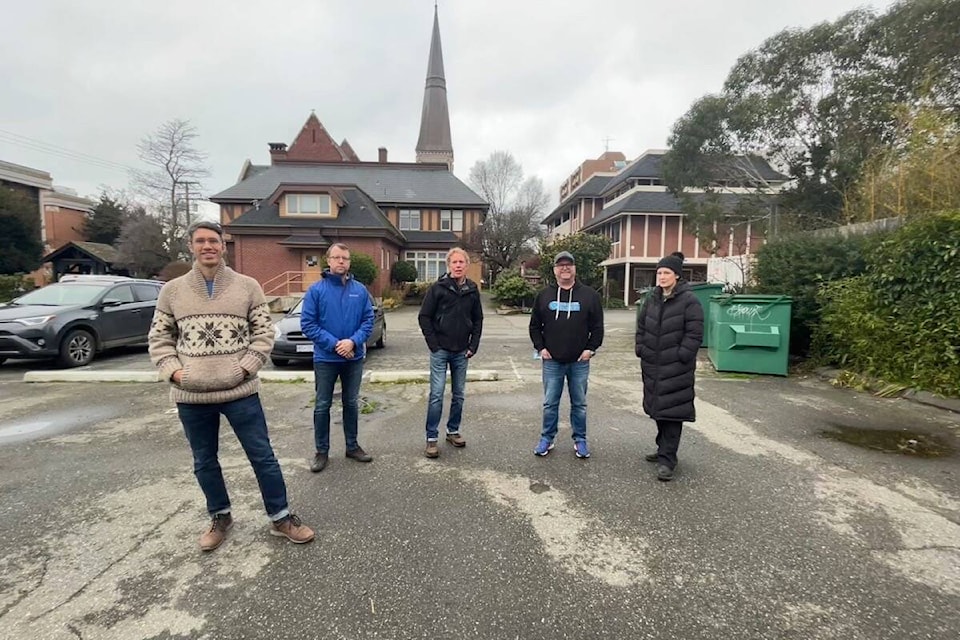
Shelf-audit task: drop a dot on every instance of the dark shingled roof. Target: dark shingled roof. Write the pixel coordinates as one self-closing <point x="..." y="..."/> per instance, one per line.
<point x="385" y="184"/>
<point x="445" y="238"/>
<point x="592" y="188"/>
<point x="358" y="211"/>
<point x="649" y="165"/>
<point x="652" y="202"/>
<point x="103" y="252"/>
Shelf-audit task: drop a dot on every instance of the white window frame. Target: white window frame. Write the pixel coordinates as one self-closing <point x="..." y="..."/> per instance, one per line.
<point x="296" y="201"/>
<point x="451" y="220"/>
<point x="406" y="219"/>
<point x="430" y="265"/>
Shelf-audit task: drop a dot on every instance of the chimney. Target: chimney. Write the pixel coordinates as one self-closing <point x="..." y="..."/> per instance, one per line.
<point x="382" y="157"/>
<point x="278" y="151"/>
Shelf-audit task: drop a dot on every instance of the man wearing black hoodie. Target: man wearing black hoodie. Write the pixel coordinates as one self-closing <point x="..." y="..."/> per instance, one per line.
<point x="451" y="320"/>
<point x="566" y="327"/>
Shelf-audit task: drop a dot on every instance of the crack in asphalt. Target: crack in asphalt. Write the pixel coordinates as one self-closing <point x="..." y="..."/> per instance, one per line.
<point x="26" y="592"/>
<point x="136" y="547"/>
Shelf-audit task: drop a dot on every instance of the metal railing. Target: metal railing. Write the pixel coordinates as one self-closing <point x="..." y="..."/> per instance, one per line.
<point x="286" y="283"/>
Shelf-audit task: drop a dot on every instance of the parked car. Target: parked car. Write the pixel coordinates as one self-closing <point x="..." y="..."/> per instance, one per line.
<point x="292" y="346"/>
<point x="78" y="317"/>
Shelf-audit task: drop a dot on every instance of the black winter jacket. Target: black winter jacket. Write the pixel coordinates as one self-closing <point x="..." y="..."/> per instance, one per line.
<point x="669" y="333"/>
<point x="567" y="322"/>
<point x="451" y="316"/>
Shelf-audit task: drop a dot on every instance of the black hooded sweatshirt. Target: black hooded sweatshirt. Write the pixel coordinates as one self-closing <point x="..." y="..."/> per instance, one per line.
<point x="567" y="321"/>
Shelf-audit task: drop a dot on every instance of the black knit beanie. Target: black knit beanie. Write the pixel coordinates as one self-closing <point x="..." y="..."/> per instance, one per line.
<point x="674" y="262"/>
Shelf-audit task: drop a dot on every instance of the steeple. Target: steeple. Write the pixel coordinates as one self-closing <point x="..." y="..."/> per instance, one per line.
<point x="434" y="144"/>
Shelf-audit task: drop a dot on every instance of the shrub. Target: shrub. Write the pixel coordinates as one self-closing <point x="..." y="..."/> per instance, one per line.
<point x="898" y="321"/>
<point x="513" y="290"/>
<point x="363" y="268"/>
<point x="14" y="286"/>
<point x="403" y="271"/>
<point x="798" y="266"/>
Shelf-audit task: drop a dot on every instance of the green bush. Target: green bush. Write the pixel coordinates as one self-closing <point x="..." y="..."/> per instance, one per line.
<point x="513" y="290"/>
<point x="898" y="321"/>
<point x="588" y="249"/>
<point x="14" y="286"/>
<point x="363" y="268"/>
<point x="798" y="266"/>
<point x="403" y="271"/>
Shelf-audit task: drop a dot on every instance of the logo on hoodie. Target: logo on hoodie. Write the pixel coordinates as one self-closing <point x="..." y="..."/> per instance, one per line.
<point x="563" y="307"/>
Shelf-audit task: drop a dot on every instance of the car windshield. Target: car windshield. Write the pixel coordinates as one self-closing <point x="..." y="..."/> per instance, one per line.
<point x="63" y="294"/>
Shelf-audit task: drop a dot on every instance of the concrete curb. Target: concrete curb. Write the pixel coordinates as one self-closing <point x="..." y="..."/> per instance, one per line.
<point x="921" y="397"/>
<point x="387" y="377"/>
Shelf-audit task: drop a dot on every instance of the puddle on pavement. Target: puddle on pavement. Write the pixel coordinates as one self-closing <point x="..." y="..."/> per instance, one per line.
<point x="539" y="487"/>
<point x="52" y="422"/>
<point x="902" y="441"/>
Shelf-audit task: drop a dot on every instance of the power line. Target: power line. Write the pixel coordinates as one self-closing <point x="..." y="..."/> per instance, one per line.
<point x="55" y="150"/>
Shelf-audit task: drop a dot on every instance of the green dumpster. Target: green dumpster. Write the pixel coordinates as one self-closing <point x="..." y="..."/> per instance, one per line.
<point x="703" y="291"/>
<point x="642" y="293"/>
<point x="750" y="333"/>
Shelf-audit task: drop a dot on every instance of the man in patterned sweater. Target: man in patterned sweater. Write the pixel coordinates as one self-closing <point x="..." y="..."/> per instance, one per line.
<point x="210" y="335"/>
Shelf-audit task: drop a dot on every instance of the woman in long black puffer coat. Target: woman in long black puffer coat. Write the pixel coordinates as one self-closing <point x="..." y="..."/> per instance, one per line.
<point x="669" y="333"/>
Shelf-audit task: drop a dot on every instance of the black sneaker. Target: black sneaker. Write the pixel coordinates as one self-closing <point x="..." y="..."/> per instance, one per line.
<point x="664" y="473"/>
<point x="651" y="457"/>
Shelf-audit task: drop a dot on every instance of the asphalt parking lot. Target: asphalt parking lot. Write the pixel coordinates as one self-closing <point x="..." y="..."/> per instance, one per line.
<point x="772" y="529"/>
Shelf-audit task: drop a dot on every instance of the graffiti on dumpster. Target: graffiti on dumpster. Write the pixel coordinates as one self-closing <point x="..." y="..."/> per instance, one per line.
<point x="746" y="312"/>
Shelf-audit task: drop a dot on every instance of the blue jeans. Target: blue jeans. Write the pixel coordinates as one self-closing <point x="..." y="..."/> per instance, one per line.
<point x="325" y="378"/>
<point x="576" y="374"/>
<point x="439" y="360"/>
<point x="201" y="424"/>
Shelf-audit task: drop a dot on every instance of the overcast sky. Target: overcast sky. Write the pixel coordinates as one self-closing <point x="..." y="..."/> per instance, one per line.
<point x="549" y="81"/>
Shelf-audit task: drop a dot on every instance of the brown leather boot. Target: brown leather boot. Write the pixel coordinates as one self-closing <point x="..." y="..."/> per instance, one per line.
<point x="217" y="533"/>
<point x="292" y="529"/>
<point x="432" y="450"/>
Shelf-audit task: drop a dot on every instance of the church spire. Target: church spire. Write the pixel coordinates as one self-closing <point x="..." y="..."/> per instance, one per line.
<point x="434" y="144"/>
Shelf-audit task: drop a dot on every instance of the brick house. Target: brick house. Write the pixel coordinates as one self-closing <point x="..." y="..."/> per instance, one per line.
<point x="644" y="221"/>
<point x="281" y="218"/>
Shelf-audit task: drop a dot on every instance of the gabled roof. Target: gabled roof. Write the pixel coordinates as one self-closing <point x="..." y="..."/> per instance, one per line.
<point x="653" y="202"/>
<point x="358" y="211"/>
<point x="103" y="252"/>
<point x="401" y="184"/>
<point x="592" y="188"/>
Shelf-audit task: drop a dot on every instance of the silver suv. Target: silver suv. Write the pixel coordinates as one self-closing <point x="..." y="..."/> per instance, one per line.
<point x="74" y="319"/>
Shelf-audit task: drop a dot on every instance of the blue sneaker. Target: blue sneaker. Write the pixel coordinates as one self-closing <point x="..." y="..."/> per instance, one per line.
<point x="580" y="448"/>
<point x="543" y="447"/>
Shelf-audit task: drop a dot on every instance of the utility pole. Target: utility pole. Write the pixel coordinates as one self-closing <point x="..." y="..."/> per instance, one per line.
<point x="186" y="185"/>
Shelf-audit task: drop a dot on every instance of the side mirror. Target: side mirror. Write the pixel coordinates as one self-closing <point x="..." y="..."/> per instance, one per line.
<point x="110" y="303"/>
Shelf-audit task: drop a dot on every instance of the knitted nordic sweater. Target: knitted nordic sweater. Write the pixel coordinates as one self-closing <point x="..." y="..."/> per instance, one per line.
<point x="219" y="341"/>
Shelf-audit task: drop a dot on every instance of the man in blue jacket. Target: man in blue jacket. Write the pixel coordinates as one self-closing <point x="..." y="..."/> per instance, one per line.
<point x="338" y="317"/>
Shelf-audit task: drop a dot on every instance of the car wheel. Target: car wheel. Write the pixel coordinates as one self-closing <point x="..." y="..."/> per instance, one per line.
<point x="279" y="362"/>
<point x="383" y="336"/>
<point x="77" y="348"/>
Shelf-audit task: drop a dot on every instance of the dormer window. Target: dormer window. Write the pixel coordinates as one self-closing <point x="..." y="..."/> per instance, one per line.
<point x="308" y="204"/>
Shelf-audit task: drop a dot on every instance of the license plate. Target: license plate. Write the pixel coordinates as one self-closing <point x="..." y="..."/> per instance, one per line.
<point x="304" y="348"/>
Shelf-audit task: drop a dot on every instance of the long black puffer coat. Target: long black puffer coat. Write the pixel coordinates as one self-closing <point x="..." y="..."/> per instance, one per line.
<point x="669" y="333"/>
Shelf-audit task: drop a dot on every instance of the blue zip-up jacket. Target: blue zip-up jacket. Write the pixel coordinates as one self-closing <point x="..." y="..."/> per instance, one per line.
<point x="336" y="308"/>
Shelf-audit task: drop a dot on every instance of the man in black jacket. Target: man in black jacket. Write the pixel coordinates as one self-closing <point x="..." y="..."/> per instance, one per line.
<point x="669" y="333"/>
<point x="566" y="327"/>
<point x="451" y="319"/>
